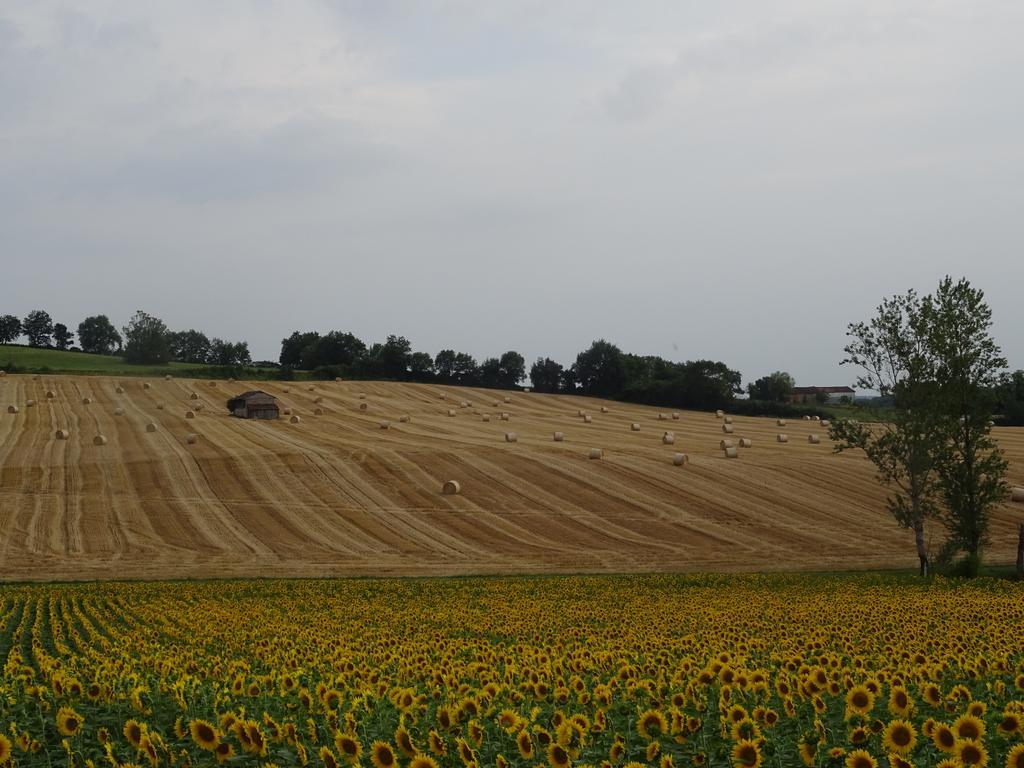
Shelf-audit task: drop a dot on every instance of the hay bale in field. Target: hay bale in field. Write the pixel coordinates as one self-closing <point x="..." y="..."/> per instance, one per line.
<point x="362" y="397"/>
<point x="451" y="412"/>
<point x="781" y="438"/>
<point x="508" y="399"/>
<point x="119" y="390"/>
<point x="405" y="419"/>
<point x="728" y="419"/>
<point x="731" y="453"/>
<point x="337" y="378"/>
<point x="190" y="414"/>
<point x="30" y="403"/>
<point x="780" y="422"/>
<point x="451" y="488"/>
<point x="635" y="427"/>
<point x="443" y="396"/>
<point x="385" y="425"/>
<point x="662" y="417"/>
<point x="318" y="399"/>
<point x="318" y="411"/>
<point x="815" y="418"/>
<point x="587" y="419"/>
<point x="580" y="412"/>
<point x="668" y="439"/>
<point x="604" y="409"/>
<point x="826" y="423"/>
<point x="145" y="385"/>
<point x="2" y="374"/>
<point x="679" y="459"/>
<point x="193" y="396"/>
<point x="675" y="416"/>
<point x="719" y="413"/>
<point x="12" y="409"/>
<point x="511" y="437"/>
<point x="50" y="394"/>
<point x="595" y="453"/>
<point x="198" y="407"/>
<point x="151" y="427"/>
<point x="727" y="443"/>
<point x="99" y="440"/>
<point x="286" y="390"/>
<point x="813" y="439"/>
<point x="191" y="438"/>
<point x="806" y="417"/>
<point x="727" y="428"/>
<point x="1017" y="494"/>
<point x="159" y="406"/>
<point x="485" y="417"/>
<point x="505" y="416"/>
<point x="212" y="384"/>
<point x="36" y="377"/>
<point x="167" y="377"/>
<point x="294" y="420"/>
<point x="494" y="404"/>
<point x="463" y="404"/>
<point x="86" y="401"/>
<point x="287" y="411"/>
<point x="362" y="406"/>
<point x="62" y="434"/>
<point x="746" y="442"/>
<point x="311" y="388"/>
<point x="559" y="437"/>
<point x="119" y="411"/>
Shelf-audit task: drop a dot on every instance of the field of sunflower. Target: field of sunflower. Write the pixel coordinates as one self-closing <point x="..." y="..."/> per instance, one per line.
<point x="855" y="671"/>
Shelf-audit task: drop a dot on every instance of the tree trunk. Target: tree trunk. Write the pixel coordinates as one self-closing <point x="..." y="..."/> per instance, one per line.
<point x="922" y="551"/>
<point x="1020" y="552"/>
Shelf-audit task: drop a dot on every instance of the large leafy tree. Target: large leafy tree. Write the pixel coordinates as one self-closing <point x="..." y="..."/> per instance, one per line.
<point x="62" y="337"/>
<point x="147" y="340"/>
<point x="10" y="328"/>
<point x="294" y="347"/>
<point x="601" y="370"/>
<point x="546" y="375"/>
<point x="970" y="368"/>
<point x="511" y="369"/>
<point x="38" y="327"/>
<point x="190" y="346"/>
<point x="97" y="335"/>
<point x="774" y="387"/>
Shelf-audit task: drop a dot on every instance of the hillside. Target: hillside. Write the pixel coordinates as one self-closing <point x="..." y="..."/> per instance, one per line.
<point x="337" y="495"/>
<point x="65" y="361"/>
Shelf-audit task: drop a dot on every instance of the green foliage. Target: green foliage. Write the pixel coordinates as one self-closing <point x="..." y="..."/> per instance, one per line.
<point x="38" y="327"/>
<point x="62" y="337"/>
<point x="147" y="340"/>
<point x="546" y="375"/>
<point x="10" y="329"/>
<point x="189" y="346"/>
<point x="601" y="369"/>
<point x="98" y="335"/>
<point x="775" y="387"/>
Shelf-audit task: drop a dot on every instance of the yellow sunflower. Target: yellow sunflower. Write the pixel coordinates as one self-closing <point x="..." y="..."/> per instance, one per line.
<point x="899" y="737"/>
<point x="971" y="753"/>
<point x="1015" y="757"/>
<point x="348" y="747"/>
<point x="900" y="703"/>
<point x="969" y="727"/>
<point x="423" y="761"/>
<point x="134" y="731"/>
<point x="204" y="735"/>
<point x="860" y="700"/>
<point x="944" y="738"/>
<point x="746" y="754"/>
<point x="557" y="756"/>
<point x="327" y="758"/>
<point x="69" y="722"/>
<point x="405" y="742"/>
<point x="382" y="756"/>
<point x="5" y="749"/>
<point x="860" y="758"/>
<point x="652" y="725"/>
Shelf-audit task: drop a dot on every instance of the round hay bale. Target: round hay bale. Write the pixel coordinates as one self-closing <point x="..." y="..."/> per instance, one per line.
<point x="719" y="413"/>
<point x="30" y="403"/>
<point x="728" y="419"/>
<point x="1017" y="494"/>
<point x="385" y="425"/>
<point x="198" y="407"/>
<point x="511" y="437"/>
<point x="463" y="404"/>
<point x="587" y="419"/>
<point x="362" y="397"/>
<point x="825" y="423"/>
<point x="193" y="396"/>
<point x="190" y="414"/>
<point x="780" y="422"/>
<point x="311" y="388"/>
<point x="990" y="424"/>
<point x="159" y="406"/>
<point x="495" y="404"/>
<point x="212" y="384"/>
<point x="99" y="440"/>
<point x="781" y="438"/>
<point x="287" y="411"/>
<point x="167" y="377"/>
<point x="635" y="427"/>
<point x="526" y="389"/>
<point x="405" y="419"/>
<point x="727" y="443"/>
<point x="443" y="396"/>
<point x="580" y="412"/>
<point x="731" y="453"/>
<point x="3" y="373"/>
<point x="62" y="434"/>
<point x="451" y="412"/>
<point x="294" y="420"/>
<point x="662" y="417"/>
<point x="815" y="418"/>
<point x="119" y="390"/>
<point x="12" y="409"/>
<point x="604" y="409"/>
<point x="727" y="428"/>
<point x="36" y="377"/>
<point x="318" y="411"/>
<point x="337" y="378"/>
<point x="50" y="394"/>
<point x="675" y="416"/>
<point x="119" y="411"/>
<point x="151" y="427"/>
<point x="318" y="399"/>
<point x="595" y="453"/>
<point x="806" y="417"/>
<point x="508" y="399"/>
<point x="813" y="439"/>
<point x="191" y="438"/>
<point x="451" y="488"/>
<point x="679" y="459"/>
<point x="362" y="406"/>
<point x="145" y="385"/>
<point x="485" y="417"/>
<point x="505" y="416"/>
<point x="86" y="401"/>
<point x="745" y="442"/>
<point x="668" y="439"/>
<point x="286" y="390"/>
<point x="559" y="437"/>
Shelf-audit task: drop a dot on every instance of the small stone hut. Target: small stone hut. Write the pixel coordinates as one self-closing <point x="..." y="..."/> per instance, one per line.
<point x="254" y="405"/>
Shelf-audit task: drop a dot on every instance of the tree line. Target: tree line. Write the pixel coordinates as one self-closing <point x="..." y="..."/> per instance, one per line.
<point x="146" y="339"/>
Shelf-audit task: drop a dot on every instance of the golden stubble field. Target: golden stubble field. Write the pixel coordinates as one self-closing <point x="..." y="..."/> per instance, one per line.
<point x="337" y="495"/>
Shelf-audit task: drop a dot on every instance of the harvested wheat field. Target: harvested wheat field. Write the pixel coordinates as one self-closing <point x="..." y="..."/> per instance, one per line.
<point x="336" y="494"/>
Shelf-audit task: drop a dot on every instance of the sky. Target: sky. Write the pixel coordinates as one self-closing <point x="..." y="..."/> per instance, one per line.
<point x="727" y="180"/>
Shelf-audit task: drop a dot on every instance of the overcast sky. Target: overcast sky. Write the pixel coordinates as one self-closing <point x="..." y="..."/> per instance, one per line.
<point x="735" y="181"/>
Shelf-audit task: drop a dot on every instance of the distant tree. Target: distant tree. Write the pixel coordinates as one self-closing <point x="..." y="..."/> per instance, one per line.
<point x="444" y="365"/>
<point x="821" y="398"/>
<point x="10" y="329"/>
<point x="394" y="357"/>
<point x="98" y="336"/>
<point x="546" y="375"/>
<point x="421" y="366"/>
<point x="335" y="349"/>
<point x="230" y="354"/>
<point x="600" y="370"/>
<point x="775" y="387"/>
<point x="147" y="340"/>
<point x="512" y="369"/>
<point x="189" y="346"/>
<point x="1011" y="400"/>
<point x="294" y="346"/>
<point x="456" y="367"/>
<point x="38" y="327"/>
<point x="490" y="372"/>
<point x="62" y="337"/>
<point x="567" y="380"/>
